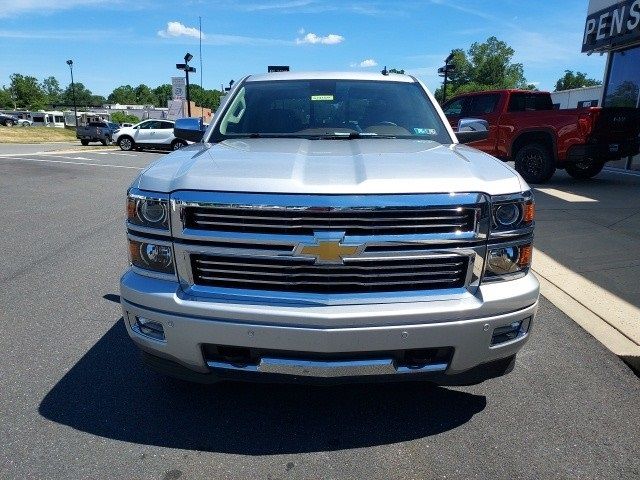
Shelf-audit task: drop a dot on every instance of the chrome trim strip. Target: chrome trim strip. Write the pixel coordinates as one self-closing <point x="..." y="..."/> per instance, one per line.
<point x="328" y="369"/>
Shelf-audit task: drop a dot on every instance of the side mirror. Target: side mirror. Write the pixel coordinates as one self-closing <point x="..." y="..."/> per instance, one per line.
<point x="190" y="129"/>
<point x="472" y="130"/>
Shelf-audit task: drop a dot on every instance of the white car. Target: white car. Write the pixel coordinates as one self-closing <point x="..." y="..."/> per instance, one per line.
<point x="148" y="134"/>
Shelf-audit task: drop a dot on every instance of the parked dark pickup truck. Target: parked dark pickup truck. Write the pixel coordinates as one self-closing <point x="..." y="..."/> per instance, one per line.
<point x="97" y="132"/>
<point x="525" y="128"/>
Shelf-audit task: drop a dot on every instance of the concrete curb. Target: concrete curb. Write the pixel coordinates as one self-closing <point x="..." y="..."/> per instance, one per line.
<point x="609" y="325"/>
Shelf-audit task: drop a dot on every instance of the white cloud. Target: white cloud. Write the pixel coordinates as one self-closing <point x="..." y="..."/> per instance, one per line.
<point x="177" y="29"/>
<point x="313" y="39"/>
<point x="369" y="62"/>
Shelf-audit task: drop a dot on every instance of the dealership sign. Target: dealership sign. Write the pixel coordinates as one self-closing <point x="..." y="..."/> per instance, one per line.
<point x="178" y="88"/>
<point x="616" y="25"/>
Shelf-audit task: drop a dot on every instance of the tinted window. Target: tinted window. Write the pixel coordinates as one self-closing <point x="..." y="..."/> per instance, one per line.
<point x="454" y="108"/>
<point x="148" y="125"/>
<point x="481" y="104"/>
<point x="528" y="102"/>
<point x="623" y="82"/>
<point x="332" y="108"/>
<point x="165" y="125"/>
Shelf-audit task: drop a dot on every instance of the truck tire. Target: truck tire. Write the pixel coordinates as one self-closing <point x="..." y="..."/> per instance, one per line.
<point x="126" y="143"/>
<point x="9" y="123"/>
<point x="106" y="141"/>
<point x="84" y="142"/>
<point x="535" y="163"/>
<point x="584" y="169"/>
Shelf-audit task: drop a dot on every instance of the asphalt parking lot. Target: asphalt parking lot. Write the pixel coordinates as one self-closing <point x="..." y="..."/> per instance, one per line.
<point x="76" y="402"/>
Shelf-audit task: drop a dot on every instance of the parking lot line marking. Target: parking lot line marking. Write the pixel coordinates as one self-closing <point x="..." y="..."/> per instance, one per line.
<point x="567" y="197"/>
<point x="72" y="163"/>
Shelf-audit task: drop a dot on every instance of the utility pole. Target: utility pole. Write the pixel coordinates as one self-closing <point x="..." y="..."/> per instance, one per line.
<point x="73" y="91"/>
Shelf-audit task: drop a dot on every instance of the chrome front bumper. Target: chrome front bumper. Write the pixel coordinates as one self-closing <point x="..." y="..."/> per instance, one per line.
<point x="465" y="324"/>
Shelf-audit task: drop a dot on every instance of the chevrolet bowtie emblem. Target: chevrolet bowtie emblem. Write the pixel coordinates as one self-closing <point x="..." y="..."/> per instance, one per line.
<point x="328" y="251"/>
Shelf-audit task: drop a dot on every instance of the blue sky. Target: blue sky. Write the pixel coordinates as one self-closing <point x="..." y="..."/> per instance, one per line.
<point x="116" y="42"/>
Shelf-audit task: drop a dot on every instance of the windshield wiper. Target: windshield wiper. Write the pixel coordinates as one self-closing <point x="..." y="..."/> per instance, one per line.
<point x="348" y="136"/>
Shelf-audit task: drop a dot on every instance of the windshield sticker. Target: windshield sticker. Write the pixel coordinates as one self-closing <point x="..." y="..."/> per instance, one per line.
<point x="425" y="131"/>
<point x="321" y="98"/>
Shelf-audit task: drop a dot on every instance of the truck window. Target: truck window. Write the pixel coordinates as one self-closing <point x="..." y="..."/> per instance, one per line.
<point x="481" y="104"/>
<point x="329" y="108"/>
<point x="529" y="102"/>
<point x="454" y="108"/>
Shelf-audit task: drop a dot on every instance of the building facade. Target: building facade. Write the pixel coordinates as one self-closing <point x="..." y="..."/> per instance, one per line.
<point x="613" y="27"/>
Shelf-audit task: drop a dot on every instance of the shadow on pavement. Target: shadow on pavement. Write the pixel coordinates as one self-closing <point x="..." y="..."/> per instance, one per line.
<point x="110" y="394"/>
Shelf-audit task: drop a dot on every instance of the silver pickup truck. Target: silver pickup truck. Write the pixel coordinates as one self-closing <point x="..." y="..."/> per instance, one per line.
<point x="330" y="227"/>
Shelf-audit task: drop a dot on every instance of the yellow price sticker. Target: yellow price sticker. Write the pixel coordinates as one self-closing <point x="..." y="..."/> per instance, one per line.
<point x="321" y="98"/>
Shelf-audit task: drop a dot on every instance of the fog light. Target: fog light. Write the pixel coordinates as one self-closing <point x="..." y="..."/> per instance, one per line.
<point x="149" y="328"/>
<point x="510" y="332"/>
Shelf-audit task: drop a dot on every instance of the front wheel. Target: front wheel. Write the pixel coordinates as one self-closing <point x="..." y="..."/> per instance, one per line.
<point x="106" y="141"/>
<point x="84" y="142"/>
<point x="125" y="143"/>
<point x="9" y="123"/>
<point x="535" y="163"/>
<point x="584" y="169"/>
<point x="178" y="144"/>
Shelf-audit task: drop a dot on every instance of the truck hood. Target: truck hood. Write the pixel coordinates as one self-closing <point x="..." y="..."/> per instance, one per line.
<point x="358" y="166"/>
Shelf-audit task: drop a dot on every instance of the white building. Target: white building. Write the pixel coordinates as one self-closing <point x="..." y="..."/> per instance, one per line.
<point x="578" y="97"/>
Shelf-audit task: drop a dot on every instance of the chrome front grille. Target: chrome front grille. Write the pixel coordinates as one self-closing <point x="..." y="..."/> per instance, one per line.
<point x="351" y="221"/>
<point x="329" y="249"/>
<point x="352" y="276"/>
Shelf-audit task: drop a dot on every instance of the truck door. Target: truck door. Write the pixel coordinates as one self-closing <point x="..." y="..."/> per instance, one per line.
<point x="484" y="106"/>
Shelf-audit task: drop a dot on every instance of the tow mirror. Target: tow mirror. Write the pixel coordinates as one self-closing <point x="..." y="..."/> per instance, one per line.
<point x="472" y="130"/>
<point x="190" y="129"/>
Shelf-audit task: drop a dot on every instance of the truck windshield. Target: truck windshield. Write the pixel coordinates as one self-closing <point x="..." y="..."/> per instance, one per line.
<point x="331" y="109"/>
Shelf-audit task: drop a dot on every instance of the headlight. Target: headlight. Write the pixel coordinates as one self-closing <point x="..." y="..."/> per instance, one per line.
<point x="151" y="256"/>
<point x="512" y="214"/>
<point x="506" y="262"/>
<point x="148" y="212"/>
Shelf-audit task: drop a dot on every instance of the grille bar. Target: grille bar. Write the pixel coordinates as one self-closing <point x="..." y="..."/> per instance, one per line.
<point x="356" y="221"/>
<point x="299" y="275"/>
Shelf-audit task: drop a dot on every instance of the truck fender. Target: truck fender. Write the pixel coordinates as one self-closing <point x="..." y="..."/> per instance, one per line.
<point x="534" y="135"/>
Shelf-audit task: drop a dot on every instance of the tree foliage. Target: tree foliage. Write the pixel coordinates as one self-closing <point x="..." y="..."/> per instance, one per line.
<point x="485" y="66"/>
<point x="124" y="95"/>
<point x="121" y="117"/>
<point x="52" y="90"/>
<point x="27" y="92"/>
<point x="83" y="96"/>
<point x="6" y="99"/>
<point x="575" y="80"/>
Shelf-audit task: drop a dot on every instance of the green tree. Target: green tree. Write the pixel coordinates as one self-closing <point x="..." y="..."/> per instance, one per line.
<point x="121" y="117"/>
<point x="97" y="100"/>
<point x="395" y="70"/>
<point x="27" y="92"/>
<point x="52" y="89"/>
<point x="124" y="94"/>
<point x="6" y="99"/>
<point x="575" y="80"/>
<point x="485" y="66"/>
<point x="144" y="95"/>
<point x="163" y="94"/>
<point x="205" y="98"/>
<point x="83" y="96"/>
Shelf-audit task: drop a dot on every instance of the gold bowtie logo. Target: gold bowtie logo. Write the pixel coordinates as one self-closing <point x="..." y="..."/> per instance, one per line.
<point x="328" y="251"/>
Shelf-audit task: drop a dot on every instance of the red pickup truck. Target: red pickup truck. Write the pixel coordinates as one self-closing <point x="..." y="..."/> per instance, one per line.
<point x="525" y="128"/>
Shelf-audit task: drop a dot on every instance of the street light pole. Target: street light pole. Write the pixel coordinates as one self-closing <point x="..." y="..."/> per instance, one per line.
<point x="444" y="72"/>
<point x="73" y="91"/>
<point x="187" y="69"/>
